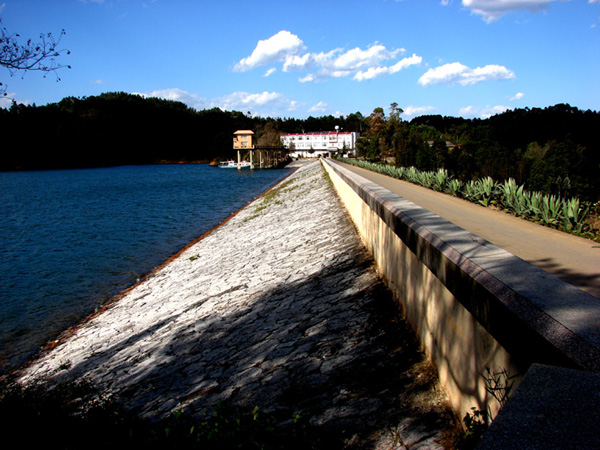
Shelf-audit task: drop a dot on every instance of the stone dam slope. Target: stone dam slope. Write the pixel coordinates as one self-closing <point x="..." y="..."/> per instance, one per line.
<point x="280" y="307"/>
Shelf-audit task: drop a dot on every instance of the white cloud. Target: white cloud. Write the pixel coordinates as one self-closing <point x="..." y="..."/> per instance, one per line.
<point x="467" y="111"/>
<point x="319" y="107"/>
<point x="179" y="95"/>
<point x="492" y="111"/>
<point x="457" y="73"/>
<point x="492" y="10"/>
<point x="357" y="58"/>
<point x="406" y="62"/>
<point x="308" y="78"/>
<point x="249" y="101"/>
<point x="517" y="96"/>
<point x="483" y="113"/>
<point x="364" y="64"/>
<point x="277" y="48"/>
<point x="370" y="73"/>
<point x="262" y="103"/>
<point x="295" y="62"/>
<point x="411" y="111"/>
<point x="98" y="81"/>
<point x="373" y="72"/>
<point x="270" y="72"/>
<point x="6" y="100"/>
<point x="360" y="63"/>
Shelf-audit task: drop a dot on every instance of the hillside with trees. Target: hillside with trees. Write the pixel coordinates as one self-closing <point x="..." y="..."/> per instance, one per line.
<point x="114" y="129"/>
<point x="552" y="150"/>
<point x="555" y="150"/>
<point x="117" y="128"/>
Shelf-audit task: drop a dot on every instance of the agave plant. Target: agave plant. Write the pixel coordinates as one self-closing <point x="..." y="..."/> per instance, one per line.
<point x="427" y="179"/>
<point x="515" y="198"/>
<point x="470" y="190"/>
<point x="454" y="187"/>
<point x="400" y="172"/>
<point x="536" y="204"/>
<point x="411" y="174"/>
<point x="386" y="169"/>
<point x="509" y="193"/>
<point x="572" y="215"/>
<point x="440" y="179"/>
<point x="520" y="204"/>
<point x="551" y="206"/>
<point x="486" y="190"/>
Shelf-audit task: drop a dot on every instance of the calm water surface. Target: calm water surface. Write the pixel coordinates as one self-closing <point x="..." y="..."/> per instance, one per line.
<point x="71" y="239"/>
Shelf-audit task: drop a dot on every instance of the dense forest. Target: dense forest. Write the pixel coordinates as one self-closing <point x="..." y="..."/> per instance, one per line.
<point x="553" y="150"/>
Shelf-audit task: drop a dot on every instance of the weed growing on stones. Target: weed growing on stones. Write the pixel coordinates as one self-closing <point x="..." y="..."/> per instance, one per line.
<point x="475" y="424"/>
<point x="499" y="385"/>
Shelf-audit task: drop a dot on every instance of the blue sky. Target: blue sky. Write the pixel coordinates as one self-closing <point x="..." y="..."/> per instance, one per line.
<point x="287" y="58"/>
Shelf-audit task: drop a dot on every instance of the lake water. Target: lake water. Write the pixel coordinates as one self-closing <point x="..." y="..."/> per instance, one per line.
<point x="72" y="239"/>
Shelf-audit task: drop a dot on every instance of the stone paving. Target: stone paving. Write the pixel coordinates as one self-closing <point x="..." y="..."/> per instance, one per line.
<point x="280" y="307"/>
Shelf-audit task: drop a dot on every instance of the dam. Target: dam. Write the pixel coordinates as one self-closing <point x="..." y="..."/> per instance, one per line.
<point x="480" y="310"/>
<point x="310" y="299"/>
<point x="280" y="307"/>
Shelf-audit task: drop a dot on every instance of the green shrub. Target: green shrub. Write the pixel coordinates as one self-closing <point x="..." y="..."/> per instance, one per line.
<point x="454" y="187"/>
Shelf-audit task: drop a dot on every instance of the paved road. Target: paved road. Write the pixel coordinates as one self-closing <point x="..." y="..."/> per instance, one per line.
<point x="570" y="258"/>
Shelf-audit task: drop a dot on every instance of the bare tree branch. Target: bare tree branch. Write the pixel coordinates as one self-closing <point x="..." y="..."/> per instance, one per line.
<point x="37" y="56"/>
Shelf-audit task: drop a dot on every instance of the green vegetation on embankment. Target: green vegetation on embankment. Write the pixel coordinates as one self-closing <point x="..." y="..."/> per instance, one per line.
<point x="565" y="214"/>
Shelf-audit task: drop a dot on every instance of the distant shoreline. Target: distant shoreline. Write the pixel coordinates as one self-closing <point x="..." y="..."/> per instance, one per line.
<point x="158" y="163"/>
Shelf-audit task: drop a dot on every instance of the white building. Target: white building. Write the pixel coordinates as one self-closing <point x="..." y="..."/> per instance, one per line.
<point x="321" y="143"/>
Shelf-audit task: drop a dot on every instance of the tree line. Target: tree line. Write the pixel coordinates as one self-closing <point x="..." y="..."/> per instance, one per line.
<point x="552" y="150"/>
<point x="118" y="128"/>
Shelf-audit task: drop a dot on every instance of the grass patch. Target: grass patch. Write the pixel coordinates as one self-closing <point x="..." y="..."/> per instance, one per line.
<point x="269" y="199"/>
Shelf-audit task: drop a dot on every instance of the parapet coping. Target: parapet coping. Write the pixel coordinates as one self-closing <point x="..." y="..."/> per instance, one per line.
<point x="537" y="317"/>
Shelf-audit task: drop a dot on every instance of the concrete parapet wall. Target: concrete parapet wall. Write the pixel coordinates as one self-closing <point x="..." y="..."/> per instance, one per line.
<point x="474" y="306"/>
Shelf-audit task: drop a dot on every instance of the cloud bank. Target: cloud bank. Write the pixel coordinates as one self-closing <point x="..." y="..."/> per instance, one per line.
<point x="238" y="101"/>
<point x="179" y="95"/>
<point x="411" y="111"/>
<point x="457" y="73"/>
<point x="360" y="64"/>
<point x="277" y="48"/>
<point x="483" y="113"/>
